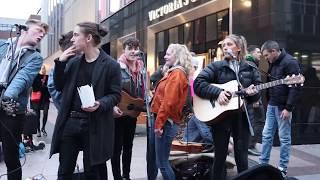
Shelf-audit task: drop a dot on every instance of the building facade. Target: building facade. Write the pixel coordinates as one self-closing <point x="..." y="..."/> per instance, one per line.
<point x="201" y="24"/>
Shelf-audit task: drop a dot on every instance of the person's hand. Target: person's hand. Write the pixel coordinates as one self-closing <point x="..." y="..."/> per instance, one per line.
<point x="158" y="132"/>
<point x="223" y="98"/>
<point x="92" y="108"/>
<point x="251" y="90"/>
<point x="71" y="51"/>
<point x="117" y="112"/>
<point x="285" y="114"/>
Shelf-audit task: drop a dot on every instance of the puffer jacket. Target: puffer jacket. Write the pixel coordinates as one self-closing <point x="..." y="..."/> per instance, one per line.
<point x="219" y="72"/>
<point x="283" y="96"/>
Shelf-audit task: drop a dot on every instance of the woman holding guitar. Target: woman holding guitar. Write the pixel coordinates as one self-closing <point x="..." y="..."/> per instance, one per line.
<point x="168" y="101"/>
<point x="220" y="72"/>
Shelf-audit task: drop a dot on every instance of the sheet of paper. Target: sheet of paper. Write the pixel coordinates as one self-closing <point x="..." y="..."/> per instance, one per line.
<point x="86" y="95"/>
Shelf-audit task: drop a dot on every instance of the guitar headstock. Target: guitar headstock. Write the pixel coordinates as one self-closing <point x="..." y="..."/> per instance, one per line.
<point x="294" y="80"/>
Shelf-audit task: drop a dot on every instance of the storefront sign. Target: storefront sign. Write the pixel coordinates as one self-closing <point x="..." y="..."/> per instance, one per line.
<point x="168" y="8"/>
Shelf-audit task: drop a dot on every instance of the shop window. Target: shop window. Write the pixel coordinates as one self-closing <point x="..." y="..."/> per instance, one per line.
<point x="211" y="28"/>
<point x="223" y="24"/>
<point x="200" y="28"/>
<point x="173" y="35"/>
<point x="188" y="34"/>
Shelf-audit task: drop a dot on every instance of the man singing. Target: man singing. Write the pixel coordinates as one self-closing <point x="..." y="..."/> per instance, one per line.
<point x="19" y="65"/>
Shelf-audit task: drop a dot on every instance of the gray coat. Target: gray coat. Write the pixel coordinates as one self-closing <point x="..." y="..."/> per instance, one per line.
<point x="106" y="79"/>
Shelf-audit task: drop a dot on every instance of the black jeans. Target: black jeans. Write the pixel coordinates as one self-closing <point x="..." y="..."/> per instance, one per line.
<point x="10" y="143"/>
<point x="257" y="119"/>
<point x="125" y="128"/>
<point x="37" y="107"/>
<point x="74" y="139"/>
<point x="221" y="135"/>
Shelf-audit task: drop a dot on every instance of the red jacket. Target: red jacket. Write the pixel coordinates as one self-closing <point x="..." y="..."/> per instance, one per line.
<point x="170" y="97"/>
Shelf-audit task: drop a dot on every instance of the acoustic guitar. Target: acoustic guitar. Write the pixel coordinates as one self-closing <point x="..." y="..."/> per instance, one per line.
<point x="210" y="111"/>
<point x="130" y="106"/>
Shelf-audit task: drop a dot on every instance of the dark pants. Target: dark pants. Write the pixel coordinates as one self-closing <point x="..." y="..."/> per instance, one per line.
<point x="257" y="119"/>
<point x="10" y="135"/>
<point x="37" y="107"/>
<point x="221" y="134"/>
<point x="75" y="138"/>
<point x="125" y="128"/>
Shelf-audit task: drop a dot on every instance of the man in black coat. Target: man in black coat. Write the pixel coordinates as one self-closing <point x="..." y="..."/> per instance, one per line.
<point x="282" y="100"/>
<point x="90" y="129"/>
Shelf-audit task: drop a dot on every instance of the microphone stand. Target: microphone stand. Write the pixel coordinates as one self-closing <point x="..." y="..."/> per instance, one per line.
<point x="151" y="153"/>
<point x="236" y="67"/>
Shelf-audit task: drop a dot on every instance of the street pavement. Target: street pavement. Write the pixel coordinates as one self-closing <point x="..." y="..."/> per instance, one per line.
<point x="304" y="161"/>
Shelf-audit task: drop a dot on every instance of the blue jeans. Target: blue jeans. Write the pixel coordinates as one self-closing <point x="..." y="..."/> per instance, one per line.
<point x="152" y="169"/>
<point x="197" y="131"/>
<point x="163" y="145"/>
<point x="274" y="121"/>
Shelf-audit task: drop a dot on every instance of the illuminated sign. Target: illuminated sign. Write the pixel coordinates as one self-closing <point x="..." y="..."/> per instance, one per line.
<point x="168" y="8"/>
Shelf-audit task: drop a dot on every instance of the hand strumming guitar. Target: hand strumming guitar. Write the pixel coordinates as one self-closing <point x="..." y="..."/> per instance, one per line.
<point x="117" y="112"/>
<point x="224" y="97"/>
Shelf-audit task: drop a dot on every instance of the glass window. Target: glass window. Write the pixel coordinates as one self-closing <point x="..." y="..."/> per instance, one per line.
<point x="188" y="34"/>
<point x="173" y="35"/>
<point x="223" y="24"/>
<point x="308" y="24"/>
<point x="199" y="31"/>
<point x="211" y="28"/>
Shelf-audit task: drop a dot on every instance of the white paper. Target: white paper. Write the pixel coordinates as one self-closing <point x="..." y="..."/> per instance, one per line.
<point x="86" y="95"/>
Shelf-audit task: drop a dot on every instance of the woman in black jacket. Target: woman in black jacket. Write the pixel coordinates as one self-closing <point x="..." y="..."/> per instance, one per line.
<point x="220" y="72"/>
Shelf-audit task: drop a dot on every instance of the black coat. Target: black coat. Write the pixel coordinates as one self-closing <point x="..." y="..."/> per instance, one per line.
<point x="219" y="72"/>
<point x="283" y="96"/>
<point x="106" y="79"/>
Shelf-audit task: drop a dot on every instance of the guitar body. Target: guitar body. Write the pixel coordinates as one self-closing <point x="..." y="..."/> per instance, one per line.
<point x="211" y="111"/>
<point x="127" y="101"/>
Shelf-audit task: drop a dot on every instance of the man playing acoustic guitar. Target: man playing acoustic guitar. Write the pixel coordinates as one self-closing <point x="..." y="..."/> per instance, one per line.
<point x="125" y="122"/>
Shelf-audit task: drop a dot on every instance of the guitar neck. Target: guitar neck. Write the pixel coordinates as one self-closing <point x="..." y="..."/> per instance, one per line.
<point x="269" y="84"/>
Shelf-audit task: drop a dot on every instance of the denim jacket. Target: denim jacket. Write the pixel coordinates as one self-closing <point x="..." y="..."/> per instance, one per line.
<point x="28" y="69"/>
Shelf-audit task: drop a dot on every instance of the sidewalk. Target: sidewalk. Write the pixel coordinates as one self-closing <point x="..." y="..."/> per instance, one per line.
<point x="304" y="162"/>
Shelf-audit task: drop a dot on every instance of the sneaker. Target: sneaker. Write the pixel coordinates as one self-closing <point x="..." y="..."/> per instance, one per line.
<point x="254" y="152"/>
<point x="283" y="171"/>
<point x="44" y="132"/>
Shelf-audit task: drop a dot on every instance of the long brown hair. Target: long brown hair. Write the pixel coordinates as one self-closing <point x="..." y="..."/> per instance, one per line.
<point x="241" y="43"/>
<point x="96" y="30"/>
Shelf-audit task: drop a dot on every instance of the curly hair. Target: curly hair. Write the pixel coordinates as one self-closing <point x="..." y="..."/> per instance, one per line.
<point x="182" y="55"/>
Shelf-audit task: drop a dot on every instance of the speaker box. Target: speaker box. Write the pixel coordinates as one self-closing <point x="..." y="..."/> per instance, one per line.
<point x="260" y="172"/>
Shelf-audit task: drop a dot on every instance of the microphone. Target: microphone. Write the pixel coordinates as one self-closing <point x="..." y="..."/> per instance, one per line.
<point x="230" y="53"/>
<point x="138" y="53"/>
<point x="21" y="27"/>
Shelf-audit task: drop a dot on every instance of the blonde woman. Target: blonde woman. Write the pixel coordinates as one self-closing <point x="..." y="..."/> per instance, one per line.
<point x="169" y="99"/>
<point x="221" y="72"/>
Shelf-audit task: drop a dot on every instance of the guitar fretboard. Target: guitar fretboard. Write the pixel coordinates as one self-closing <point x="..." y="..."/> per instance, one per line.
<point x="269" y="84"/>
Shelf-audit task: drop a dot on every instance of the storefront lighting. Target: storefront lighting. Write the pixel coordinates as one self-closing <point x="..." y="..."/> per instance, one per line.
<point x="220" y="19"/>
<point x="187" y="25"/>
<point x="304" y="56"/>
<point x="247" y="3"/>
<point x="296" y="53"/>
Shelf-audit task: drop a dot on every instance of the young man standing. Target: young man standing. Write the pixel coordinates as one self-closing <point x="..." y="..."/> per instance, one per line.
<point x="125" y="126"/>
<point x="282" y="101"/>
<point x="19" y="65"/>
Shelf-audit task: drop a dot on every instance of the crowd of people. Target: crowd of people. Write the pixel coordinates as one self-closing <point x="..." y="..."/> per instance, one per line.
<point x="104" y="131"/>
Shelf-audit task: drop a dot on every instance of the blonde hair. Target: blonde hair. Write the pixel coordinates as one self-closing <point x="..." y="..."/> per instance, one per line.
<point x="182" y="55"/>
<point x="241" y="43"/>
<point x="38" y="23"/>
